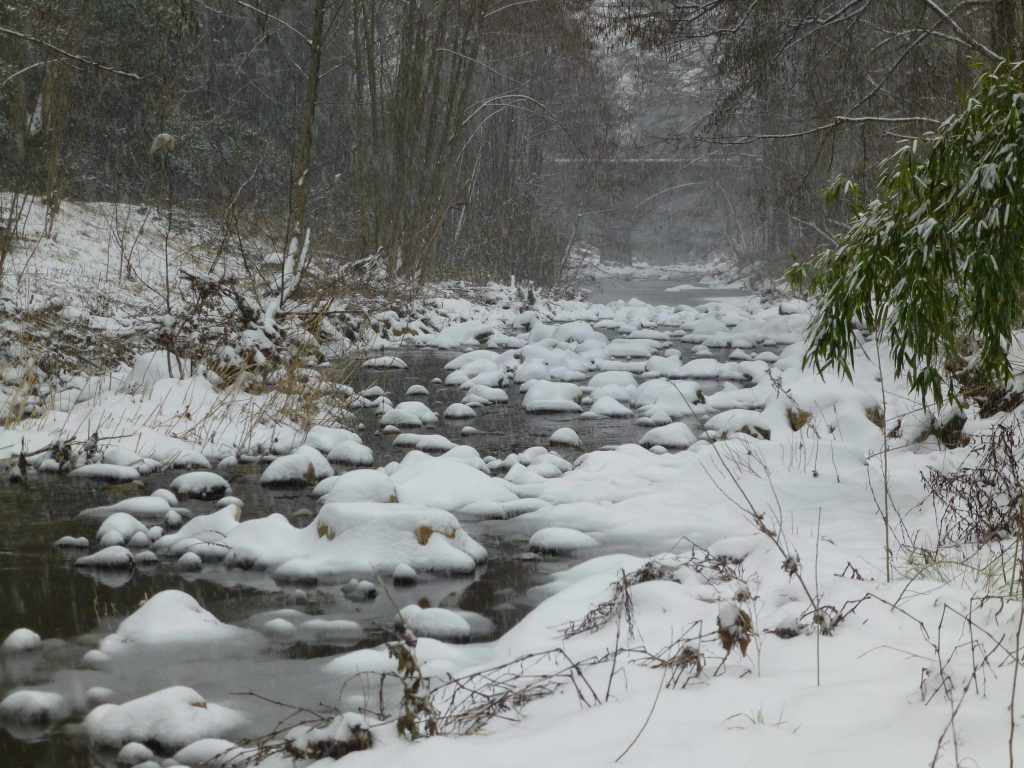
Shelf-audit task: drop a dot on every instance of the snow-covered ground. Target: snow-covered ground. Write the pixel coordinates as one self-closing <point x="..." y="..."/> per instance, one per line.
<point x="739" y="609"/>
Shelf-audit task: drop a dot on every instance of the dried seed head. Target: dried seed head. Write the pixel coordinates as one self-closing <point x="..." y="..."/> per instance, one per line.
<point x="791" y="565"/>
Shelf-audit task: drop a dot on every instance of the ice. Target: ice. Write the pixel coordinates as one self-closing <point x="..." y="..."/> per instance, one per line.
<point x="21" y="640"/>
<point x="168" y="719"/>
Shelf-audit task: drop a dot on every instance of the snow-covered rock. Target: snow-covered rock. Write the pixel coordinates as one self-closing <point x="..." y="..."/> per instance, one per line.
<point x="200" y="485"/>
<point x="304" y="465"/>
<point x="169" y="719"/>
<point x="559" y="541"/>
<point x="21" y="640"/>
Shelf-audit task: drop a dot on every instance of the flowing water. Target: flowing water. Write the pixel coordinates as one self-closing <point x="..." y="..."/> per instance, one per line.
<point x="73" y="609"/>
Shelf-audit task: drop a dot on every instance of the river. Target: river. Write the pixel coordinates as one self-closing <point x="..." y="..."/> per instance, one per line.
<point x="73" y="609"/>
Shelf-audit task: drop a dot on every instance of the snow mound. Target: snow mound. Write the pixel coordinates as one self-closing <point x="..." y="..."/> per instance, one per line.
<point x="675" y="435"/>
<point x="352" y="453"/>
<point x="433" y="443"/>
<point x="111" y="558"/>
<point x="110" y="473"/>
<point x="384" y="363"/>
<point x="557" y="541"/>
<point x="369" y="537"/>
<point x="552" y="397"/>
<point x="609" y="407"/>
<point x="358" y="485"/>
<point x="168" y="719"/>
<point x="141" y="506"/>
<point x="330" y="631"/>
<point x="565" y="436"/>
<point x="172" y="618"/>
<point x="459" y="411"/>
<point x="445" y="484"/>
<point x="304" y="465"/>
<point x="200" y="485"/>
<point x="34" y="707"/>
<point x="439" y="623"/>
<point x="21" y="640"/>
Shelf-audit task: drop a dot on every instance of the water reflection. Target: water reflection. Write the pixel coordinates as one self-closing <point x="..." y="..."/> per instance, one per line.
<point x="75" y="609"/>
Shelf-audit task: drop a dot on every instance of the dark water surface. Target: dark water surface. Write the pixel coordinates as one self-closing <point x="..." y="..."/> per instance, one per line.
<point x="73" y="609"/>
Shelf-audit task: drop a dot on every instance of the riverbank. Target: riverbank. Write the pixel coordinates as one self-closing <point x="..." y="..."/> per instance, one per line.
<point x="721" y="553"/>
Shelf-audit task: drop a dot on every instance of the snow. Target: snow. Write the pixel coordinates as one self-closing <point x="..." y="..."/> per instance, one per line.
<point x="110" y="558"/>
<point x="305" y="465"/>
<point x="33" y="707"/>
<point x="565" y="436"/>
<point x="439" y="623"/>
<point x="818" y="487"/>
<point x="357" y="485"/>
<point x="445" y="484"/>
<point x="200" y="485"/>
<point x="676" y="435"/>
<point x="211" y="753"/>
<point x="552" y="397"/>
<point x="385" y="363"/>
<point x="72" y="542"/>
<point x="351" y="453"/>
<point x="560" y="541"/>
<point x="171" y="718"/>
<point x="459" y="411"/>
<point x="121" y="523"/>
<point x="403" y="574"/>
<point x="141" y="506"/>
<point x="608" y="407"/>
<point x="133" y="753"/>
<point x="172" y="619"/>
<point x="330" y="632"/>
<point x="21" y="640"/>
<point x="111" y="473"/>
